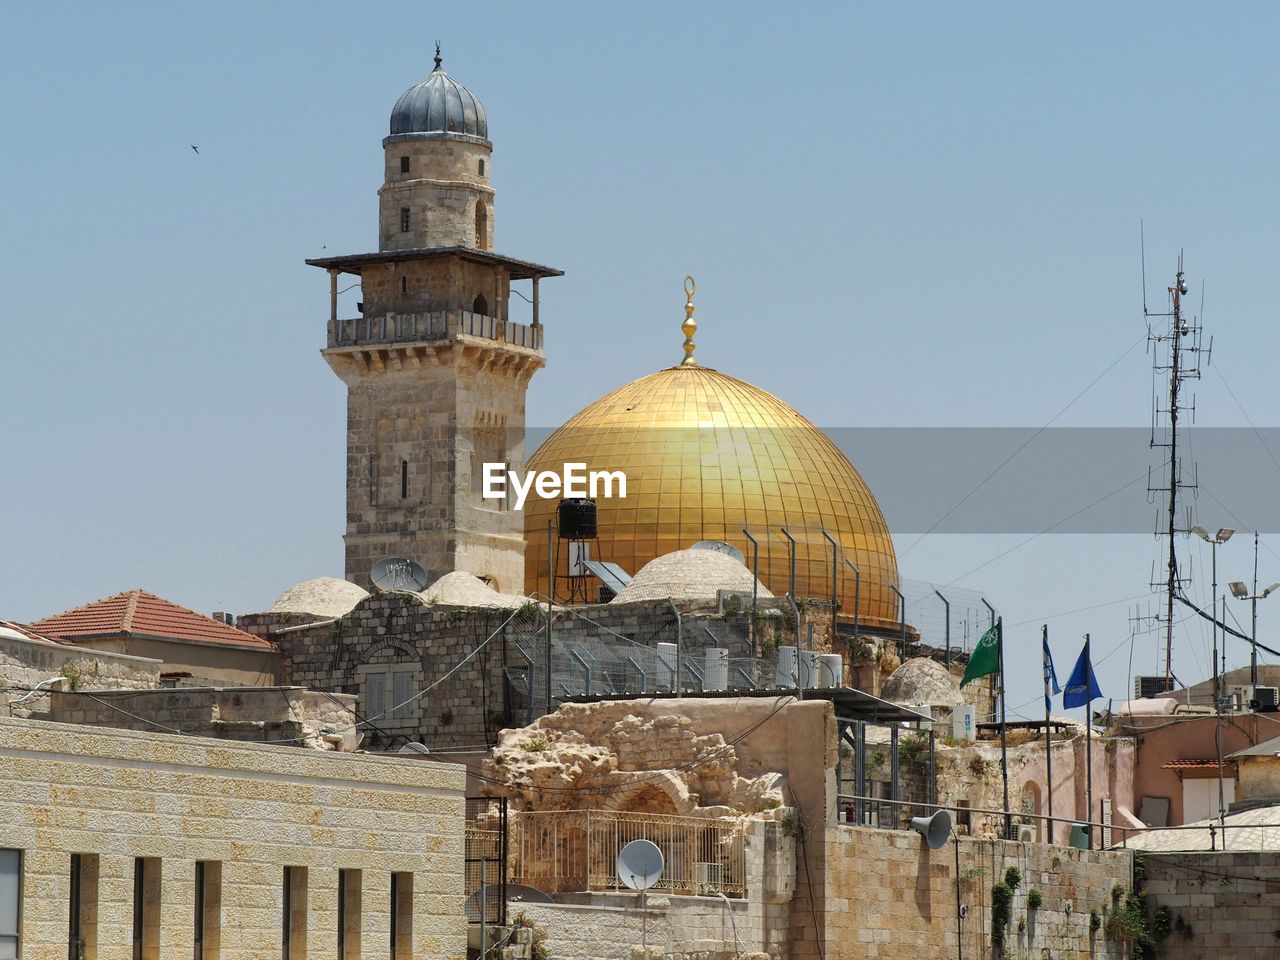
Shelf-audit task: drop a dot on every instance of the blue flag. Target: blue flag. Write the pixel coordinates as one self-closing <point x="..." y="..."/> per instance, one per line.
<point x="1082" y="686"/>
<point x="1050" y="677"/>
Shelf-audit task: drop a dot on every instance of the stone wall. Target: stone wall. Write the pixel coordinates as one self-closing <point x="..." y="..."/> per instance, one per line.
<point x="115" y="795"/>
<point x="441" y="189"/>
<point x="25" y="663"/>
<point x="612" y="926"/>
<point x="888" y="895"/>
<point x="288" y="715"/>
<point x="1223" y="904"/>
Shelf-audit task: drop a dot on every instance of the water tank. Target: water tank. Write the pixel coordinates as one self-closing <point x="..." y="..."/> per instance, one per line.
<point x="786" y="672"/>
<point x="830" y="670"/>
<point x="577" y="518"/>
<point x="715" y="671"/>
<point x="809" y="669"/>
<point x="665" y="667"/>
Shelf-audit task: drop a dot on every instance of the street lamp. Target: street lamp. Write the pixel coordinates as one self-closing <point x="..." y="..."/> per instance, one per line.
<point x="1222" y="536"/>
<point x="1240" y="590"/>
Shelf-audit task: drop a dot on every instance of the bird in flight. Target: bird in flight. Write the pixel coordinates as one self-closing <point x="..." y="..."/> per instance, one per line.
<point x="195" y="148"/>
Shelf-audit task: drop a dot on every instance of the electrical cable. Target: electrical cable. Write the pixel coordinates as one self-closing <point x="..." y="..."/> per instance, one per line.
<point x="1024" y="446"/>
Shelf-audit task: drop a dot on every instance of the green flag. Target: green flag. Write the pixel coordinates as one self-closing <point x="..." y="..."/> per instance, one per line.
<point x="985" y="659"/>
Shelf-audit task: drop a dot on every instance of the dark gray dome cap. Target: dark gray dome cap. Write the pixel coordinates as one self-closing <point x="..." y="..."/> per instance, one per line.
<point x="439" y="105"/>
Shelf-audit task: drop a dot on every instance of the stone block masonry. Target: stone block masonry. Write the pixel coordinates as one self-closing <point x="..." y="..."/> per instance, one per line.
<point x="1217" y="905"/>
<point x="245" y="810"/>
<point x="887" y="895"/>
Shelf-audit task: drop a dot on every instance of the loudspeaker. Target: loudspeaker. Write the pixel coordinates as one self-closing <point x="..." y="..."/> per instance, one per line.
<point x="935" y="829"/>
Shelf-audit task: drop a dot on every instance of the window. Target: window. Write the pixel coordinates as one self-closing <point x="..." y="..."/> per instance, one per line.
<point x="375" y="695"/>
<point x="482" y="166"/>
<point x="208" y="904"/>
<point x="480" y="305"/>
<point x="401" y="916"/>
<point x="10" y="901"/>
<point x="404" y="219"/>
<point x="404" y="479"/>
<point x="293" y="921"/>
<point x="482" y="226"/>
<point x="82" y="907"/>
<point x="349" y="914"/>
<point x="402" y="690"/>
<point x="404" y="284"/>
<point x="404" y="164"/>
<point x="146" y="908"/>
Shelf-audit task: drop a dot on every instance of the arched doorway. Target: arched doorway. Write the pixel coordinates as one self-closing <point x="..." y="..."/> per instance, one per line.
<point x="480" y="305"/>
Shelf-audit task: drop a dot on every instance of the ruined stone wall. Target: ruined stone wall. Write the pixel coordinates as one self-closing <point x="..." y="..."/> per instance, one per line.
<point x="1224" y="904"/>
<point x="286" y="715"/>
<point x="114" y="795"/>
<point x="887" y="895"/>
<point x="25" y="663"/>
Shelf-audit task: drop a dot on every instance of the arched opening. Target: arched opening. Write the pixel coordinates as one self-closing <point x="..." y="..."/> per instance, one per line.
<point x="482" y="226"/>
<point x="1029" y="805"/>
<point x="480" y="305"/>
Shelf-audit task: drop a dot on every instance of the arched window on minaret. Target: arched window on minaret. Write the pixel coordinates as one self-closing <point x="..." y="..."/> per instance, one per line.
<point x="480" y="305"/>
<point x="482" y="226"/>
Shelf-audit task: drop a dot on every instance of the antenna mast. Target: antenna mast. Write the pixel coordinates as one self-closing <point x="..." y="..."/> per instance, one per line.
<point x="1175" y="354"/>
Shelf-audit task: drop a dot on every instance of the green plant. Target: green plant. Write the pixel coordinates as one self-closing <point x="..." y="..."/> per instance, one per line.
<point x="1013" y="878"/>
<point x="1022" y="924"/>
<point x="978" y="766"/>
<point x="789" y="823"/>
<point x="1034" y="899"/>
<point x="1161" y="923"/>
<point x="1095" y="921"/>
<point x="913" y="748"/>
<point x="73" y="677"/>
<point x="1116" y="893"/>
<point x="1139" y="871"/>
<point x="536" y="745"/>
<point x="878" y="757"/>
<point x="1001" y="912"/>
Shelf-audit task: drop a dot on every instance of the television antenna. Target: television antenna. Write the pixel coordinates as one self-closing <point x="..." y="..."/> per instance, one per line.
<point x="398" y="573"/>
<point x="1175" y="345"/>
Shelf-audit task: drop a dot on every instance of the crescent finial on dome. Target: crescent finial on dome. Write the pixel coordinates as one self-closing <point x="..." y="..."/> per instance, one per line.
<point x="690" y="326"/>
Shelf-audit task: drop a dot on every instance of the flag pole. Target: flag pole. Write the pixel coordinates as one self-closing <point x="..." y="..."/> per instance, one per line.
<point x="1048" y="736"/>
<point x="1088" y="739"/>
<point x="1004" y="732"/>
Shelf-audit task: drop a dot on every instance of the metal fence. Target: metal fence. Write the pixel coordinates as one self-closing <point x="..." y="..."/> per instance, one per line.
<point x="485" y="865"/>
<point x="565" y="851"/>
<point x="945" y="616"/>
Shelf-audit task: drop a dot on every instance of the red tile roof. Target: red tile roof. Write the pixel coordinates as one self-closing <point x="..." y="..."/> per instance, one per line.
<point x="1194" y="764"/>
<point x="25" y="631"/>
<point x="138" y="613"/>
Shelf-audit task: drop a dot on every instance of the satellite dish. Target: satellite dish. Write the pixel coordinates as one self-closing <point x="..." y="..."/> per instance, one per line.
<point x="414" y="747"/>
<point x="398" y="573"/>
<point x="640" y="864"/>
<point x="719" y="546"/>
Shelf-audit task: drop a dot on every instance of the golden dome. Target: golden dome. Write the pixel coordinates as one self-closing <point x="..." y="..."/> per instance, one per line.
<point x="706" y="455"/>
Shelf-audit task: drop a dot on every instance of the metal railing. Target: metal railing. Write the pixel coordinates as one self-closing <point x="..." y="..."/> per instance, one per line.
<point x="856" y="811"/>
<point x="564" y="851"/>
<point x="485" y="844"/>
<point x="435" y="325"/>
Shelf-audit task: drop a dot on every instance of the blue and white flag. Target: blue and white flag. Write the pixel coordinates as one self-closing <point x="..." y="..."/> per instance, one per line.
<point x="1082" y="686"/>
<point x="1050" y="676"/>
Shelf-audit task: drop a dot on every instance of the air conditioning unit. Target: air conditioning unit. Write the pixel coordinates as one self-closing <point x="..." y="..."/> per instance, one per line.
<point x="1266" y="699"/>
<point x="1026" y="833"/>
<point x="708" y="878"/>
<point x="1239" y="697"/>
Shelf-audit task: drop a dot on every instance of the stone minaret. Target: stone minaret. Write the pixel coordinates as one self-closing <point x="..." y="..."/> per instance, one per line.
<point x="436" y="374"/>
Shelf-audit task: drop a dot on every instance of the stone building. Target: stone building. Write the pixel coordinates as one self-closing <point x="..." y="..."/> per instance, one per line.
<point x="141" y="624"/>
<point x="436" y="370"/>
<point x="153" y="846"/>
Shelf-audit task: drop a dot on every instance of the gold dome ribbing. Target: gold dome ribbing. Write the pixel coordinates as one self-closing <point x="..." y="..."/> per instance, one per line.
<point x="705" y="455"/>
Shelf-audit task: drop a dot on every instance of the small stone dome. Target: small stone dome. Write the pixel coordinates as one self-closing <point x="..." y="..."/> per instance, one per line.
<point x="439" y="105"/>
<point x="321" y="596"/>
<point x="921" y="680"/>
<point x="462" y="589"/>
<point x="689" y="575"/>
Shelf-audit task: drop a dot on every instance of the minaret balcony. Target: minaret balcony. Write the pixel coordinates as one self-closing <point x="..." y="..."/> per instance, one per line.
<point x="439" y="325"/>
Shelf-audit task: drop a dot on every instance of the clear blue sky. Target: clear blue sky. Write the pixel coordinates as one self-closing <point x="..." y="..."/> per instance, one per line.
<point x="920" y="215"/>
